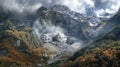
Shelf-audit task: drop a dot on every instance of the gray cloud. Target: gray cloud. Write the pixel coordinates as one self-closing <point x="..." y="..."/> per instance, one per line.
<point x="98" y="6"/>
<point x="19" y="5"/>
<point x="106" y="6"/>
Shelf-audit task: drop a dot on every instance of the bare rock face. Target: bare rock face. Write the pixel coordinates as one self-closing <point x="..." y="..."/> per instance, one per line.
<point x="65" y="30"/>
<point x="65" y="21"/>
<point x="49" y="35"/>
<point x="55" y="27"/>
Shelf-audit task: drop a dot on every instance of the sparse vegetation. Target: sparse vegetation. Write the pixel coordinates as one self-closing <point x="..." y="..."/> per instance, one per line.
<point x="105" y="52"/>
<point x="24" y="55"/>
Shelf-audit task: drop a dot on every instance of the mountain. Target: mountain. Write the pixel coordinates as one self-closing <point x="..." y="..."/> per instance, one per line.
<point x="75" y="24"/>
<point x="115" y="19"/>
<point x="19" y="46"/>
<point x="58" y="36"/>
<point x="20" y="41"/>
<point x="104" y="51"/>
<point x="63" y="31"/>
<point x="63" y="20"/>
<point x="66" y="11"/>
<point x="59" y="30"/>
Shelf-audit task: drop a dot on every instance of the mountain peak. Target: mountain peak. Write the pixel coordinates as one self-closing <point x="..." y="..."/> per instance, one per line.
<point x="42" y="8"/>
<point x="60" y="8"/>
<point x="119" y="11"/>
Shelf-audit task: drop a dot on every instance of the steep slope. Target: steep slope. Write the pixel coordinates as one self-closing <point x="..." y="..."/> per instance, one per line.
<point x="19" y="47"/>
<point x="103" y="52"/>
<point x="55" y="34"/>
<point x="56" y="18"/>
<point x="60" y="31"/>
<point x="64" y="31"/>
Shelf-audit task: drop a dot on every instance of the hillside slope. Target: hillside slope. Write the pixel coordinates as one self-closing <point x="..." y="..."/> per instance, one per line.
<point x="104" y="51"/>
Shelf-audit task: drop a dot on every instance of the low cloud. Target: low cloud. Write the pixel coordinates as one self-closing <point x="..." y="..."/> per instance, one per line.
<point x="81" y="6"/>
<point x="17" y="6"/>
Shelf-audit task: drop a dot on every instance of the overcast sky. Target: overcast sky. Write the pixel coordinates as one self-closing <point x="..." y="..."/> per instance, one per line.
<point x="98" y="7"/>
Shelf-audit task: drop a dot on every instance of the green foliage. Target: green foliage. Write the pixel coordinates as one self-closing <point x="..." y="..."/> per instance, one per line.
<point x="9" y="64"/>
<point x="103" y="52"/>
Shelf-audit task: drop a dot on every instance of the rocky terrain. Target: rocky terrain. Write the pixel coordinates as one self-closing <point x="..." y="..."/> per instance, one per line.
<point x="58" y="36"/>
<point x="103" y="52"/>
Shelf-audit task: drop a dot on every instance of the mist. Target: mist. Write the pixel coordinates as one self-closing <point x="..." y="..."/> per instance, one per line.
<point x="55" y="38"/>
<point x="19" y="6"/>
